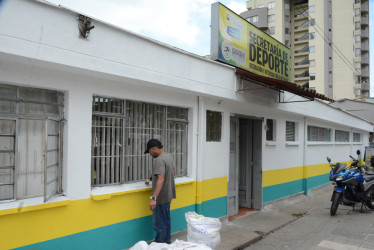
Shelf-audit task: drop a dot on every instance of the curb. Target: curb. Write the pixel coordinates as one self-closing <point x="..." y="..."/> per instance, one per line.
<point x="258" y="238"/>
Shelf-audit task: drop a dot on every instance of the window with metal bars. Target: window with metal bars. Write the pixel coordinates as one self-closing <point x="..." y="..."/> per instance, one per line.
<point x="213" y="125"/>
<point x="341" y="136"/>
<point x="30" y="142"/>
<point x="120" y="132"/>
<point x="290" y="131"/>
<point x="319" y="134"/>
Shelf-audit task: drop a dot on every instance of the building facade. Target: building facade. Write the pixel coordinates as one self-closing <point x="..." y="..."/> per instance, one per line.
<point x="328" y="40"/>
<point x="77" y="106"/>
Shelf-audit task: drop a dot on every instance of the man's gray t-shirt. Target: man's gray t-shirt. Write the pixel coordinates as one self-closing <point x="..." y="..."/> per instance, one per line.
<point x="164" y="165"/>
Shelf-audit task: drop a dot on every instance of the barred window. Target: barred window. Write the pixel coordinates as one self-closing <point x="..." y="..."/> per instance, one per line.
<point x="341" y="136"/>
<point x="319" y="134"/>
<point x="290" y="131"/>
<point x="120" y="132"/>
<point x="213" y="125"/>
<point x="30" y="142"/>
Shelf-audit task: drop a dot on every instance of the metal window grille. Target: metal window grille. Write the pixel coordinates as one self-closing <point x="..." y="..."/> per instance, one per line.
<point x="120" y="132"/>
<point x="356" y="137"/>
<point x="290" y="131"/>
<point x="341" y="136"/>
<point x="319" y="134"/>
<point x="30" y="142"/>
<point x="213" y="125"/>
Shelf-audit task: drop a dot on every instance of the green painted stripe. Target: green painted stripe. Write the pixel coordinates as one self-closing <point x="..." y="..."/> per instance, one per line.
<point x="128" y="233"/>
<point x="275" y="192"/>
<point x="215" y="208"/>
<point x="317" y="181"/>
<point x="282" y="190"/>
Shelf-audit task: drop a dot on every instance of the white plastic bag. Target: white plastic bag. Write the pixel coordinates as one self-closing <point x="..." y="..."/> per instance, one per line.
<point x="203" y="230"/>
<point x="176" y="245"/>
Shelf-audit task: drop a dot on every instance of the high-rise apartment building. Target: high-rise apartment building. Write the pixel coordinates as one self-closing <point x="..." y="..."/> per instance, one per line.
<point x="328" y="41"/>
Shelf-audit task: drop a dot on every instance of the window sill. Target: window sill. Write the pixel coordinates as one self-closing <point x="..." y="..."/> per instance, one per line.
<point x="319" y="143"/>
<point x="104" y="193"/>
<point x="292" y="143"/>
<point x="271" y="143"/>
<point x="32" y="204"/>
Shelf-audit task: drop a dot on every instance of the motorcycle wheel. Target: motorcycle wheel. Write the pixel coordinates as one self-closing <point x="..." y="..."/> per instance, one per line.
<point x="370" y="200"/>
<point x="335" y="203"/>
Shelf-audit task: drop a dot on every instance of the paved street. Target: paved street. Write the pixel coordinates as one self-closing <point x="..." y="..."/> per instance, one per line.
<point x="318" y="230"/>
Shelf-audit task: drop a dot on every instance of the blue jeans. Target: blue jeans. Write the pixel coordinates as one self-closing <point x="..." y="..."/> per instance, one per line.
<point x="161" y="223"/>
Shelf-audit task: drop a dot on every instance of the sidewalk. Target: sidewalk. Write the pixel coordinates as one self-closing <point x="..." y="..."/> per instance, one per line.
<point x="254" y="225"/>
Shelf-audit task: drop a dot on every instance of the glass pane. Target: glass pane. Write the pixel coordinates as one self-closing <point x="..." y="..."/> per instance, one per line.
<point x="177" y="113"/>
<point x="144" y="122"/>
<point x="40" y="95"/>
<point x="7" y="107"/>
<point x="31" y="146"/>
<point x="177" y="146"/>
<point x="8" y="92"/>
<point x="106" y="150"/>
<point x="107" y="105"/>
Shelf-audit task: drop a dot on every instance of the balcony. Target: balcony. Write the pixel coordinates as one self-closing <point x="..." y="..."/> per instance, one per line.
<point x="306" y="49"/>
<point x="299" y="2"/>
<point x="365" y="7"/>
<point x="305" y="25"/>
<point x="364" y="20"/>
<point x="305" y="74"/>
<point x="365" y="86"/>
<point x="365" y="46"/>
<point x="365" y="72"/>
<point x="365" y="33"/>
<point x="364" y="60"/>
<point x="303" y="63"/>
<point x="303" y="14"/>
<point x="305" y="37"/>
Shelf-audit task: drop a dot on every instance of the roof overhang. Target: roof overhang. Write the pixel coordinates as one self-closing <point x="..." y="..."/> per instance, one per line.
<point x="280" y="85"/>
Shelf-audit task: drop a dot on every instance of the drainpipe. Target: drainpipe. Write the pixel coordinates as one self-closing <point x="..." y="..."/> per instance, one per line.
<point x="199" y="155"/>
<point x="304" y="158"/>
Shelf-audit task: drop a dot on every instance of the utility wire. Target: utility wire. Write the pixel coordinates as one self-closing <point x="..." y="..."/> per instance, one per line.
<point x="329" y="42"/>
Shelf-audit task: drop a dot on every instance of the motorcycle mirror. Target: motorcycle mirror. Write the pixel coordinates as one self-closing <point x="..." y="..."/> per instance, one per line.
<point x="328" y="159"/>
<point x="358" y="152"/>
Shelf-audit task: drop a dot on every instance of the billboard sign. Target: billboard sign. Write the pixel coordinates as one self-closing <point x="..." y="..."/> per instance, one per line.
<point x="239" y="43"/>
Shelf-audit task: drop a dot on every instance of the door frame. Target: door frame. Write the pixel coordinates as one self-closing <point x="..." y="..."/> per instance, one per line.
<point x="257" y="147"/>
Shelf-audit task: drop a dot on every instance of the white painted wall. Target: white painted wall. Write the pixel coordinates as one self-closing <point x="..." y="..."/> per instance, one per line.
<point x="46" y="52"/>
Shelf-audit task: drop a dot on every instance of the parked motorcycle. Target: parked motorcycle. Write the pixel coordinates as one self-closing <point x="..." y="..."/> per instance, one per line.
<point x="353" y="185"/>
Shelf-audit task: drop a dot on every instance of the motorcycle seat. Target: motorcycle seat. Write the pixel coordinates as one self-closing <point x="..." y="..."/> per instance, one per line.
<point x="368" y="177"/>
<point x="369" y="173"/>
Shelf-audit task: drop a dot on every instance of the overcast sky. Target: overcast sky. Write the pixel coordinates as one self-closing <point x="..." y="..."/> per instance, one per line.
<point x="181" y="23"/>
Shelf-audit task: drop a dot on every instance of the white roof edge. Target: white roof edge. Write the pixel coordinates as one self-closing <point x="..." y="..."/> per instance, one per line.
<point x="136" y="34"/>
<point x="337" y="108"/>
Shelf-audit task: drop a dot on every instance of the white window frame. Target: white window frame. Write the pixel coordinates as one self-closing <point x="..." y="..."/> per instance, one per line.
<point x="271" y="18"/>
<point x="342" y="136"/>
<point x="37" y="115"/>
<point x="288" y="130"/>
<point x="271" y="5"/>
<point x="321" y="134"/>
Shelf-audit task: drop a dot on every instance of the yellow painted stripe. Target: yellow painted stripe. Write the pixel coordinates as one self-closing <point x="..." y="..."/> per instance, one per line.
<point x="279" y="176"/>
<point x="70" y="217"/>
<point x="211" y="189"/>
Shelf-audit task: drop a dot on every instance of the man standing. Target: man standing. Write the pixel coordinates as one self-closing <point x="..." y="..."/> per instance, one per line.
<point x="163" y="190"/>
